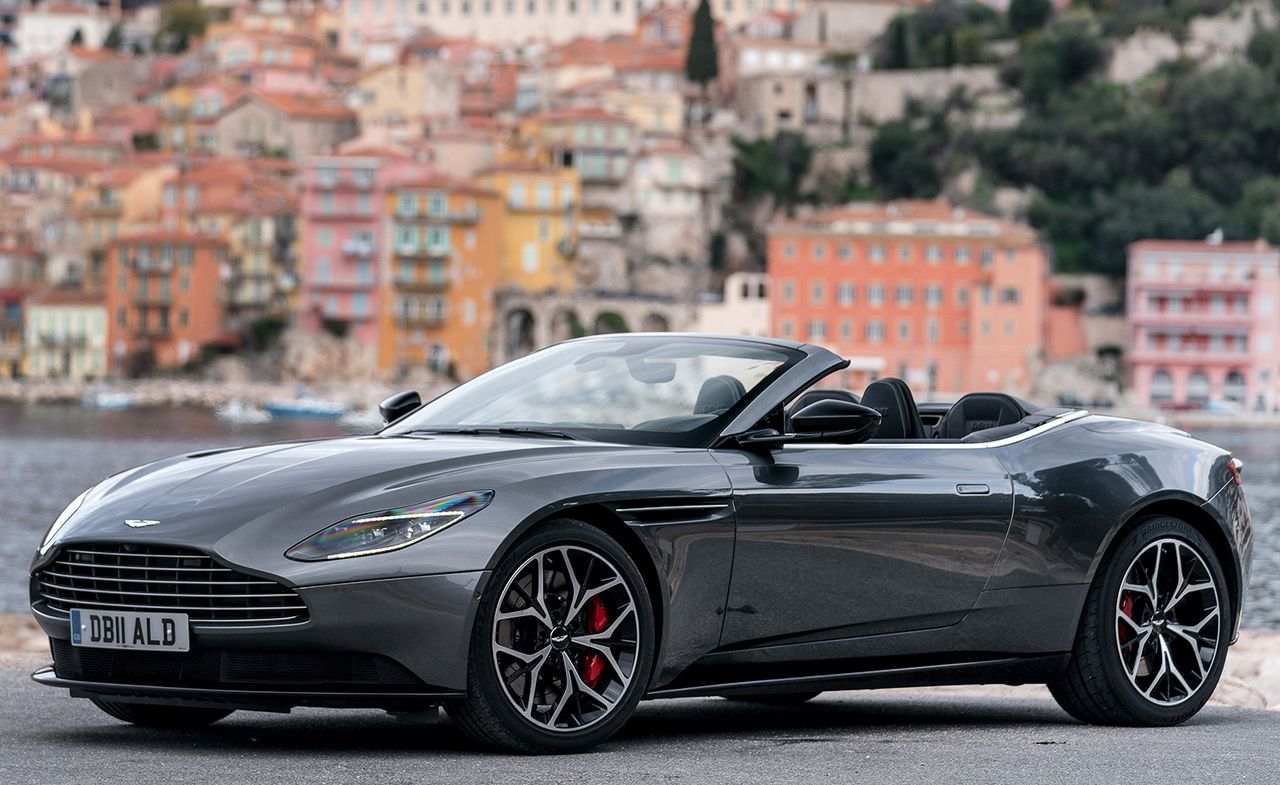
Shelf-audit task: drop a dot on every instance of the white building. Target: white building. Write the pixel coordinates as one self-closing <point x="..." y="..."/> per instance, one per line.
<point x="744" y="309"/>
<point x="516" y="21"/>
<point x="48" y="29"/>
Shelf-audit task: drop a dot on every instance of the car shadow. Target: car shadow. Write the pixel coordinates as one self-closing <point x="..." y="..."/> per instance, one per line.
<point x="657" y="724"/>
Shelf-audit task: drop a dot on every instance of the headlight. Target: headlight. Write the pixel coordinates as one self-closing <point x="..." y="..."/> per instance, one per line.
<point x="70" y="510"/>
<point x="388" y="530"/>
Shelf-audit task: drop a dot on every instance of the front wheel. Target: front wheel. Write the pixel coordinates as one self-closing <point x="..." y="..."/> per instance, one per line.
<point x="563" y="644"/>
<point x="1154" y="634"/>
<point x="155" y="716"/>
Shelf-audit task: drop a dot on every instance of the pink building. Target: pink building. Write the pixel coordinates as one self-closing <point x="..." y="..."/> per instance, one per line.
<point x="1203" y="323"/>
<point x="343" y="214"/>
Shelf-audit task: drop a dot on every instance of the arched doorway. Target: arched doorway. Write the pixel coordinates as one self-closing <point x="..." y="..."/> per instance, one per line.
<point x="519" y="332"/>
<point x="1234" y="387"/>
<point x="610" y="322"/>
<point x="1161" y="387"/>
<point x="1198" y="388"/>
<point x="655" y="323"/>
<point x="566" y="325"/>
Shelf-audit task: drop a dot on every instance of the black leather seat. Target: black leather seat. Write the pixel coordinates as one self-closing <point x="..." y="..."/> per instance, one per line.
<point x="813" y="396"/>
<point x="718" y="395"/>
<point x="899" y="418"/>
<point x="980" y="411"/>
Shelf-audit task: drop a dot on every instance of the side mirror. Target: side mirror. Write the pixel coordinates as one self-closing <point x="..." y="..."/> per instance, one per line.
<point x="837" y="420"/>
<point x="399" y="405"/>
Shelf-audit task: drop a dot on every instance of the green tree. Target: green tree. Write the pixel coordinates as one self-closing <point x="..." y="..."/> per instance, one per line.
<point x="77" y="38"/>
<point x="180" y="21"/>
<point x="772" y="169"/>
<point x="1061" y="56"/>
<point x="899" y="46"/>
<point x="702" y="61"/>
<point x="114" y="39"/>
<point x="1028" y="15"/>
<point x="901" y="164"/>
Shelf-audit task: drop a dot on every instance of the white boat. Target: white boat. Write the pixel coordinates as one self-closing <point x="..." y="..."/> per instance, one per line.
<point x="363" y="419"/>
<point x="306" y="406"/>
<point x="107" y="400"/>
<point x="241" y="412"/>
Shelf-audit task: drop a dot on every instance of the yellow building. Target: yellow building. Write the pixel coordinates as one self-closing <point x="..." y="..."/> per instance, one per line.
<point x="652" y="111"/>
<point x="540" y="233"/>
<point x="439" y="275"/>
<point x="400" y="94"/>
<point x="116" y="202"/>
<point x="66" y="335"/>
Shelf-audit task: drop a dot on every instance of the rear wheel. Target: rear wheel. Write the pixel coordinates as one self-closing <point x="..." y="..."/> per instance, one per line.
<point x="563" y="644"/>
<point x="774" y="699"/>
<point x="1153" y="638"/>
<point x="154" y="716"/>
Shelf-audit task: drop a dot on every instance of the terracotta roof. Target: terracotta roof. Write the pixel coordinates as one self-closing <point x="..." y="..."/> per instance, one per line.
<point x="445" y="182"/>
<point x="1203" y="246"/>
<point x="937" y="211"/>
<point x="655" y="60"/>
<point x="306" y="107"/>
<point x="66" y="297"/>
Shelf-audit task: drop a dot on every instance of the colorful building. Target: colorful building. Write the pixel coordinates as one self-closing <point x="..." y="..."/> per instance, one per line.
<point x="10" y="333"/>
<point x="1204" y="319"/>
<point x="165" y="298"/>
<point x="948" y="299"/>
<point x="344" y="217"/>
<point x="442" y="257"/>
<point x="540" y="227"/>
<point x="65" y="335"/>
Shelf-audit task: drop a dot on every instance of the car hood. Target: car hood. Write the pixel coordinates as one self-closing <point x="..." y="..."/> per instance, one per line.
<point x="292" y="489"/>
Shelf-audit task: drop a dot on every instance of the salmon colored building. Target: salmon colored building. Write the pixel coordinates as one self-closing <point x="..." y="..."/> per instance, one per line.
<point x="1204" y="319"/>
<point x="165" y="298"/>
<point x="442" y="266"/>
<point x="948" y="299"/>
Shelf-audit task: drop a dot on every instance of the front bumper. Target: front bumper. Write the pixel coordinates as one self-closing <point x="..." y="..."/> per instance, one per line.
<point x="422" y="623"/>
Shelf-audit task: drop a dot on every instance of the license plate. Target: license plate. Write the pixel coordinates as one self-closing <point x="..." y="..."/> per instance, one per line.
<point x="124" y="630"/>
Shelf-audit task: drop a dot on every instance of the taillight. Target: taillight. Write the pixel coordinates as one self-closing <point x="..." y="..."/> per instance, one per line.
<point x="1236" y="467"/>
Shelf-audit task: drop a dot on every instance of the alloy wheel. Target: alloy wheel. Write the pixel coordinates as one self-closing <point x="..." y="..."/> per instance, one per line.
<point x="565" y="638"/>
<point x="1167" y="622"/>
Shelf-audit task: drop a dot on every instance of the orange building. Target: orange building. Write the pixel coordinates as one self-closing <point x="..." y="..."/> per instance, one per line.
<point x="165" y="298"/>
<point x="948" y="299"/>
<point x="442" y="267"/>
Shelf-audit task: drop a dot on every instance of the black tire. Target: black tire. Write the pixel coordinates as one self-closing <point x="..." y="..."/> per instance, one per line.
<point x="1095" y="687"/>
<point x="151" y="715"/>
<point x="774" y="699"/>
<point x="487" y="714"/>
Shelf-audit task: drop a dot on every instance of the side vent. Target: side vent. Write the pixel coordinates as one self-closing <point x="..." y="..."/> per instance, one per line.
<point x="681" y="510"/>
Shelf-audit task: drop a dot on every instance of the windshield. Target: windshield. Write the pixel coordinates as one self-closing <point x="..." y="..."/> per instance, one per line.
<point x="643" y="389"/>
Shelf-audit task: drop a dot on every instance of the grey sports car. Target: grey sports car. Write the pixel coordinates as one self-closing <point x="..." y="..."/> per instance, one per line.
<point x="653" y="516"/>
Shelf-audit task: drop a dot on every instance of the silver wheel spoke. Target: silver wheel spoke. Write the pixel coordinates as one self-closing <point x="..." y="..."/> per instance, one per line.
<point x="1168" y="638"/>
<point x="526" y="637"/>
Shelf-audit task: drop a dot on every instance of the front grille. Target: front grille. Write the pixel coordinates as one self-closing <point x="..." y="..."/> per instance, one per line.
<point x="225" y="669"/>
<point x="126" y="576"/>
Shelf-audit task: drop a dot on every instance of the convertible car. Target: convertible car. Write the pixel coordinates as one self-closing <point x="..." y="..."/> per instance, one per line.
<point x="624" y="517"/>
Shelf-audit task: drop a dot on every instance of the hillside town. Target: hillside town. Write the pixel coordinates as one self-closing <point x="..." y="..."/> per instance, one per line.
<point x="424" y="189"/>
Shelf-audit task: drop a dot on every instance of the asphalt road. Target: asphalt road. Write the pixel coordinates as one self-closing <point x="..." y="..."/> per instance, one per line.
<point x="869" y="737"/>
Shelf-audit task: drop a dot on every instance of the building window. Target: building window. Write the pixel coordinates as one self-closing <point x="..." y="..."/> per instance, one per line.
<point x="933" y="331"/>
<point x="406" y="203"/>
<point x="904" y="253"/>
<point x="788" y="328"/>
<point x="988" y="258"/>
<point x="817" y="330"/>
<point x="875" y="294"/>
<point x="788" y="292"/>
<point x="876" y="253"/>
<point x="962" y="255"/>
<point x="437" y="204"/>
<point x="844" y="252"/>
<point x="819" y="251"/>
<point x="904" y="294"/>
<point x="1008" y="328"/>
<point x="904" y="331"/>
<point x="788" y="250"/>
<point x="326" y="202"/>
<point x="933" y="295"/>
<point x="846" y="330"/>
<point x="364" y="203"/>
<point x="846" y="293"/>
<point x="933" y="254"/>
<point x="875" y="332"/>
<point x="324" y="238"/>
<point x="818" y="293"/>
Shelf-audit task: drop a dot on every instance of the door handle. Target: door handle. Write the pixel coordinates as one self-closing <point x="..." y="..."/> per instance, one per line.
<point x="975" y="489"/>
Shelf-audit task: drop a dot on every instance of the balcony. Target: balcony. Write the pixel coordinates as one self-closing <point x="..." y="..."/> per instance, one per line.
<point x="150" y="266"/>
<point x="341" y="285"/>
<point x="63" y="341"/>
<point x="359" y="249"/>
<point x="1141" y="288"/>
<point x="1190" y="357"/>
<point x="418" y="252"/>
<point x="152" y="298"/>
<point x="433" y="283"/>
<point x="154" y="331"/>
<point x="1193" y="318"/>
<point x="420" y="319"/>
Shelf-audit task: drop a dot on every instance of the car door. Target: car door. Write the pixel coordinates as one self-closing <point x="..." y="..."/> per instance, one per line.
<point x="835" y="542"/>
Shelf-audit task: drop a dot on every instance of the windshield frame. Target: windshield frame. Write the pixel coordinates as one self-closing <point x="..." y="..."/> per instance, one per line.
<point x="701" y="436"/>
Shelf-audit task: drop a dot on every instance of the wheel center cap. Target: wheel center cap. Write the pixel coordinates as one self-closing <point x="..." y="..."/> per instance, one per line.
<point x="560" y="638"/>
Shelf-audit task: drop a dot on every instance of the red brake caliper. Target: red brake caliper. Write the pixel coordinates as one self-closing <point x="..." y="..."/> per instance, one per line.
<point x="597" y="619"/>
<point x="1126" y="607"/>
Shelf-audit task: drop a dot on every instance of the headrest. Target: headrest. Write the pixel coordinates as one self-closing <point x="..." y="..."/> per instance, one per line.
<point x="980" y="411"/>
<point x="899" y="418"/>
<point x="718" y="395"/>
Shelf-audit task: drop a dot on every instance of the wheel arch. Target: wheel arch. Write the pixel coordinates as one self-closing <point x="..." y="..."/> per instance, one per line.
<point x="1194" y="512"/>
<point x="607" y="521"/>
